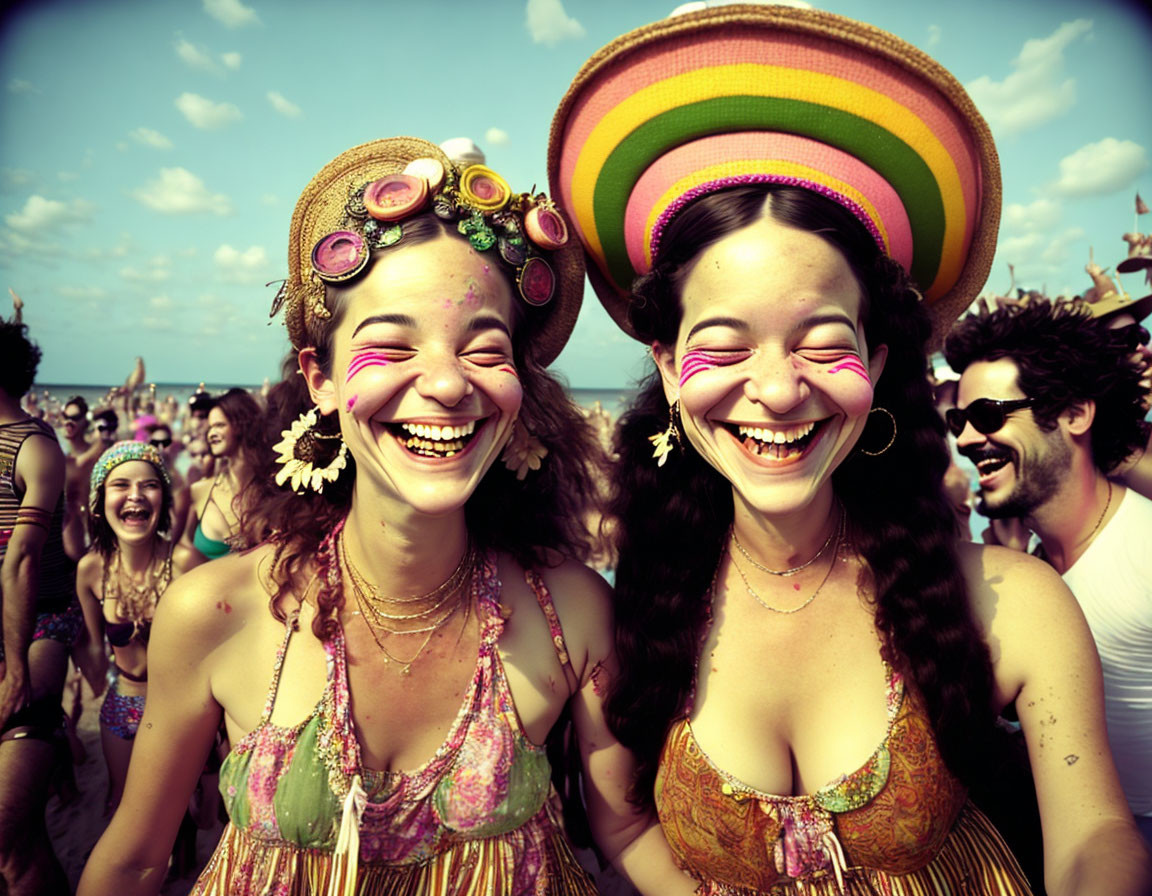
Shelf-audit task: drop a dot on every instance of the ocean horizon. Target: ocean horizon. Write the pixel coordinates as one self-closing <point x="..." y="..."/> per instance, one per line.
<point x="612" y="400"/>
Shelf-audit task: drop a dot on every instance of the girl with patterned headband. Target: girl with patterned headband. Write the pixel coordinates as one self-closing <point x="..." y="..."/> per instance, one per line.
<point x="411" y="662"/>
<point x="811" y="665"/>
<point x="119" y="582"/>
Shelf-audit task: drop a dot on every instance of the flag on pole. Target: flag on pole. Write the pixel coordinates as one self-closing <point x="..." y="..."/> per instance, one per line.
<point x="1141" y="208"/>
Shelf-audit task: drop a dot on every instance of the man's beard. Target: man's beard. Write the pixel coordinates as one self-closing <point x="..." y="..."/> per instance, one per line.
<point x="1036" y="487"/>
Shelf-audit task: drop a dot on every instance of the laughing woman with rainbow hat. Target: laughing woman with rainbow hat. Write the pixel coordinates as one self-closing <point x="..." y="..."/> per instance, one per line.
<point x="397" y="658"/>
<point x="790" y="207"/>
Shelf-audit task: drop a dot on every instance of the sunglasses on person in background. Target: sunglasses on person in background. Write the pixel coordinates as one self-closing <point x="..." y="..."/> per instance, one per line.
<point x="986" y="415"/>
<point x="105" y="427"/>
<point x="160" y="443"/>
<point x="1139" y="336"/>
<point x="74" y="418"/>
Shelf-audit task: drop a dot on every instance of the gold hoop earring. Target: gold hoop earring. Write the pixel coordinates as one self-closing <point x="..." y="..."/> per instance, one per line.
<point x="891" y="439"/>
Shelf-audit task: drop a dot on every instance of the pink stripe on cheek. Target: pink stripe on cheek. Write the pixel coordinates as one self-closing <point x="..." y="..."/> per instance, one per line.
<point x="856" y="366"/>
<point x="365" y="359"/>
<point x="508" y="368"/>
<point x="351" y="403"/>
<point x="694" y="363"/>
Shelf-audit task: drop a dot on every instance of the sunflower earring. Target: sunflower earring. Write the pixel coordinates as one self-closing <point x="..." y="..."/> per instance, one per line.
<point x="663" y="440"/>
<point x="299" y="450"/>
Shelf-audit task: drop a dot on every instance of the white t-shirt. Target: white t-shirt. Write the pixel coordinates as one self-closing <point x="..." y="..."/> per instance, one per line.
<point x="1112" y="582"/>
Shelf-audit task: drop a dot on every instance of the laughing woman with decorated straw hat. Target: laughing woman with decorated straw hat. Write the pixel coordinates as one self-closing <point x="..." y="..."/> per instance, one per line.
<point x="393" y="659"/>
<point x="810" y="662"/>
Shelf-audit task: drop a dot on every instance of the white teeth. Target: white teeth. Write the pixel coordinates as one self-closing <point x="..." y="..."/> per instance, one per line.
<point x="439" y="433"/>
<point x="777" y="436"/>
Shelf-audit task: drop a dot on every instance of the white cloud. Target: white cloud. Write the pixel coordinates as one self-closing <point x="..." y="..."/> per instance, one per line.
<point x="231" y="60"/>
<point x="1039" y="215"/>
<point x="161" y="302"/>
<point x="935" y="32"/>
<point x="149" y="137"/>
<point x="495" y="137"/>
<point x="232" y="13"/>
<point x="178" y="191"/>
<point x="1101" y="168"/>
<point x="194" y="56"/>
<point x="18" y="85"/>
<point x="235" y="266"/>
<point x="40" y="214"/>
<point x="158" y="324"/>
<point x="284" y="106"/>
<point x="67" y="176"/>
<point x="205" y="114"/>
<point x="1037" y="90"/>
<point x="548" y="23"/>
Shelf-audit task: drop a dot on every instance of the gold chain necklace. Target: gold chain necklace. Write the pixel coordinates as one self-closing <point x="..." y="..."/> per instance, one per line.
<point x="1100" y="519"/>
<point x="405" y="665"/>
<point x="459" y="576"/>
<point x="156" y="582"/>
<point x="838" y="532"/>
<point x="440" y="593"/>
<point x="794" y="569"/>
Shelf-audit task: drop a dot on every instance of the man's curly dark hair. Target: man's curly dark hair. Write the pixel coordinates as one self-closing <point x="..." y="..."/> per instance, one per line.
<point x="21" y="357"/>
<point x="1064" y="356"/>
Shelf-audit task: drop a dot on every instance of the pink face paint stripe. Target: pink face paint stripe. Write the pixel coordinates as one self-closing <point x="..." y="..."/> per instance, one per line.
<point x="367" y="359"/>
<point x="693" y="363"/>
<point x="508" y="368"/>
<point x="856" y="366"/>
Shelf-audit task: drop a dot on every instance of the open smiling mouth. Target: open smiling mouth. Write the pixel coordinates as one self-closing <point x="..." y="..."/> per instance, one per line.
<point x="988" y="465"/>
<point x="777" y="444"/>
<point x="427" y="440"/>
<point x="135" y="515"/>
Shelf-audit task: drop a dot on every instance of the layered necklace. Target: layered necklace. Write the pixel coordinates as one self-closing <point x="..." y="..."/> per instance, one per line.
<point x="135" y="599"/>
<point x="428" y="612"/>
<point x="837" y="536"/>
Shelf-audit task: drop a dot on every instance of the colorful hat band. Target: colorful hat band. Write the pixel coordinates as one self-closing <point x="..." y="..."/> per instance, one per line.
<point x="770" y="94"/>
<point x="121" y="453"/>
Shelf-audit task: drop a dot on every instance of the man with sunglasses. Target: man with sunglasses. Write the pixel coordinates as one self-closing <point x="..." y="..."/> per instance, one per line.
<point x="79" y="458"/>
<point x="1050" y="402"/>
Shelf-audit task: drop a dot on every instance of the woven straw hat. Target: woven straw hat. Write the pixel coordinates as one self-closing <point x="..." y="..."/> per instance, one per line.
<point x="321" y="209"/>
<point x="745" y="94"/>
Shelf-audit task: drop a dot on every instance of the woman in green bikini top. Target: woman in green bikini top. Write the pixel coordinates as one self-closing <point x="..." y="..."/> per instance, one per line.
<point x="236" y="439"/>
<point x="414" y="637"/>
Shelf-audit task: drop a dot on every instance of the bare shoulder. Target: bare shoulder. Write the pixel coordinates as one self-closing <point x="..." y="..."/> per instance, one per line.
<point x="89" y="569"/>
<point x="216" y="599"/>
<point x="1001" y="580"/>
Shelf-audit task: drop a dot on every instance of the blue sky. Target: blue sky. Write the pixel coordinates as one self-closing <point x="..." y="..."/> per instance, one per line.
<point x="151" y="152"/>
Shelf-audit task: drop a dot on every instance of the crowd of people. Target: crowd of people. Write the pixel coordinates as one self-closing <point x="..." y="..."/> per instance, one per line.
<point x="427" y="627"/>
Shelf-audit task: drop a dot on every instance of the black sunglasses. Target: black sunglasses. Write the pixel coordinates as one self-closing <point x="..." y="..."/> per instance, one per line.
<point x="75" y="418"/>
<point x="160" y="443"/>
<point x="105" y="427"/>
<point x="985" y="414"/>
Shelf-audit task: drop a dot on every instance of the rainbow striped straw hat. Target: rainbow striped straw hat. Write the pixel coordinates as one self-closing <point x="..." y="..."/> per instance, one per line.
<point x="742" y="94"/>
